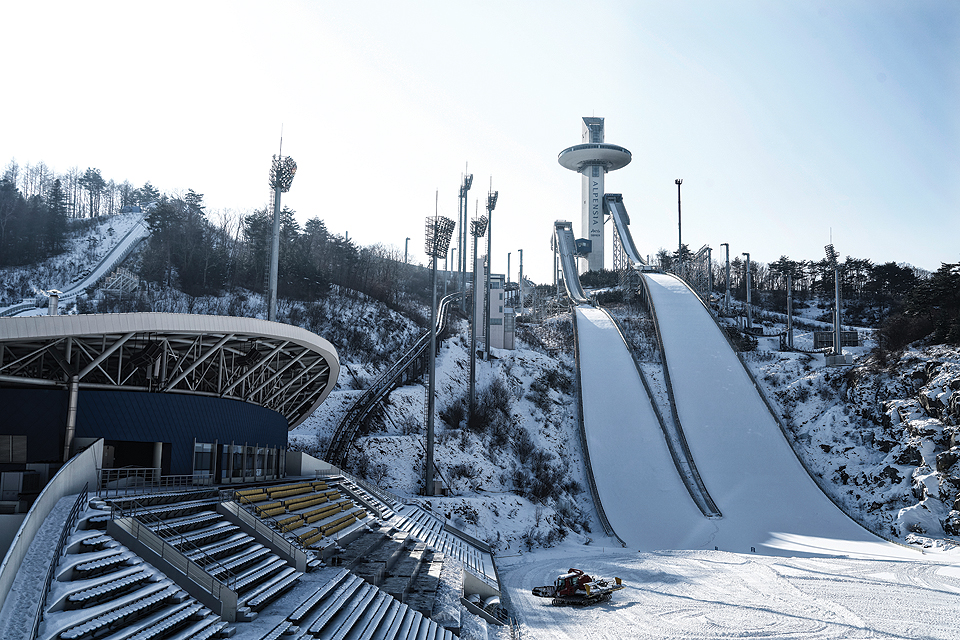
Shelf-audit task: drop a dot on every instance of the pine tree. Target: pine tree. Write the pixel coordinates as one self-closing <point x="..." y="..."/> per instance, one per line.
<point x="94" y="183"/>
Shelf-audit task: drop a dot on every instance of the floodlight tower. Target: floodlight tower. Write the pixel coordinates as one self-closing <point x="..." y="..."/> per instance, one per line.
<point x="465" y="185"/>
<point x="478" y="227"/>
<point x="593" y="159"/>
<point x="281" y="177"/>
<point x="438" y="232"/>
<point x="491" y="205"/>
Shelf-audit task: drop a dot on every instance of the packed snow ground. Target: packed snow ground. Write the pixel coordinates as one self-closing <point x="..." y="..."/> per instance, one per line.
<point x="715" y="594"/>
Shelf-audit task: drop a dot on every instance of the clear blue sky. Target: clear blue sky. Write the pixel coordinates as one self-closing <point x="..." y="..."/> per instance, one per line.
<point x="786" y="120"/>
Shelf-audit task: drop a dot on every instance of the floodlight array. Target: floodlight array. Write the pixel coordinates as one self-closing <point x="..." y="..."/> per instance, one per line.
<point x="438" y="232"/>
<point x="492" y="200"/>
<point x="832" y="254"/>
<point x="281" y="173"/>
<point x="478" y="227"/>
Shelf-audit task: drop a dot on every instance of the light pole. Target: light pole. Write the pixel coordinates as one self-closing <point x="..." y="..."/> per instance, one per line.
<point x="465" y="184"/>
<point x="726" y="294"/>
<point x="678" y="182"/>
<point x="521" y="280"/>
<point x="832" y="259"/>
<point x="281" y="177"/>
<point x="477" y="228"/>
<point x="438" y="232"/>
<point x="749" y="316"/>
<point x="790" y="306"/>
<point x="406" y="247"/>
<point x="491" y="205"/>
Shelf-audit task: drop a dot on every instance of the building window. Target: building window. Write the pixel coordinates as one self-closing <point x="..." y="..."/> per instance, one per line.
<point x="497" y="321"/>
<point x="203" y="459"/>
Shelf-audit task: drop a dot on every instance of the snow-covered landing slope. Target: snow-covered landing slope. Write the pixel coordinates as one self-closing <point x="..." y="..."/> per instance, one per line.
<point x="768" y="500"/>
<point x="642" y="495"/>
<point x="117" y="254"/>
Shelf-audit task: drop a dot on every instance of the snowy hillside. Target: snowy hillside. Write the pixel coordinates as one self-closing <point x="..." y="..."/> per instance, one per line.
<point x="516" y="480"/>
<point x="89" y="240"/>
<point x="883" y="439"/>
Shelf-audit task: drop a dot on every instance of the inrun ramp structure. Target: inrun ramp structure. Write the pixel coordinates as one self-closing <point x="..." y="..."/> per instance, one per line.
<point x="567" y="248"/>
<point x="769" y="503"/>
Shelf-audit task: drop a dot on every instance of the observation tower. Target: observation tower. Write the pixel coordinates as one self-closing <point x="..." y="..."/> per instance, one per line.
<point x="592" y="159"/>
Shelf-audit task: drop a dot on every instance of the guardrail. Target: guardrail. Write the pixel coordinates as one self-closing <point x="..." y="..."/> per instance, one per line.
<point x="347" y="430"/>
<point x="141" y="514"/>
<point x="14" y="310"/>
<point x="193" y="572"/>
<point x="146" y="480"/>
<point x="276" y="541"/>
<point x="65" y="533"/>
<point x="604" y="522"/>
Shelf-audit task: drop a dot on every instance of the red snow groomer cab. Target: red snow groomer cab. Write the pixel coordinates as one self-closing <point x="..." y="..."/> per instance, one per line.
<point x="578" y="589"/>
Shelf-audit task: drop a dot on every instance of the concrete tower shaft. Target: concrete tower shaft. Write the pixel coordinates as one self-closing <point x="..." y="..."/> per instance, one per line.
<point x="592" y="159"/>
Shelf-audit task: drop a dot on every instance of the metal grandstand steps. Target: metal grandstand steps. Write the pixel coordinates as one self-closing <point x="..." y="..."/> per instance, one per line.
<point x="426" y="527"/>
<point x="374" y="578"/>
<point x="104" y="591"/>
<point x="229" y="554"/>
<point x="344" y="607"/>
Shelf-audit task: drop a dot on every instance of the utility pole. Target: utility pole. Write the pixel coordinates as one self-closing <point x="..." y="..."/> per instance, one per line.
<point x="521" y="280"/>
<point x="726" y="295"/>
<point x="790" y="307"/>
<point x="678" y="182"/>
<point x="749" y="316"/>
<point x="439" y="230"/>
<point x="491" y="205"/>
<point x="465" y="184"/>
<point x="832" y="256"/>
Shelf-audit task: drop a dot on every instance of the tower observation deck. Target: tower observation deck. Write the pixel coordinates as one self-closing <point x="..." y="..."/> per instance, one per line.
<point x="593" y="159"/>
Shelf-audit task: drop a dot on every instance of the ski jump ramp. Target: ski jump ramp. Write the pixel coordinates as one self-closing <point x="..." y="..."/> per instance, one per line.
<point x="769" y="503"/>
<point x="641" y="493"/>
<point x="567" y="247"/>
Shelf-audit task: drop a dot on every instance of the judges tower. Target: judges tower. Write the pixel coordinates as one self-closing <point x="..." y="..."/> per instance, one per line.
<point x="592" y="159"/>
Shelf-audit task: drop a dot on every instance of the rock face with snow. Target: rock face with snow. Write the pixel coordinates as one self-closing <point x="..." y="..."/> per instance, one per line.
<point x="885" y="440"/>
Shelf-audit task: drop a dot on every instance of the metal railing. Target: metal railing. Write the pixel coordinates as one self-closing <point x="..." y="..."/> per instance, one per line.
<point x="146" y="480"/>
<point x="276" y="540"/>
<point x="176" y="559"/>
<point x="350" y="424"/>
<point x="72" y="518"/>
<point x="141" y="513"/>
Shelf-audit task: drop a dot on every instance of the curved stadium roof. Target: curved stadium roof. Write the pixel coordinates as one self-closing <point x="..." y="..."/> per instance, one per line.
<point x="278" y="366"/>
